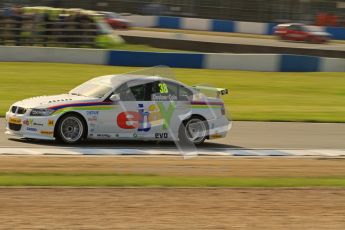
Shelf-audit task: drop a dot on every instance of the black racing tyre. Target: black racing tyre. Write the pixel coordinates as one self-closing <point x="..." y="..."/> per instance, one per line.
<point x="70" y="129"/>
<point x="193" y="131"/>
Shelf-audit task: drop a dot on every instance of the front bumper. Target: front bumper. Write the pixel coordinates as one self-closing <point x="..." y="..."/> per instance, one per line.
<point x="23" y="126"/>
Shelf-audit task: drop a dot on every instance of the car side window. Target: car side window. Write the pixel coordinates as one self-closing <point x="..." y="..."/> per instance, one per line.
<point x="134" y="92"/>
<point x="164" y="91"/>
<point x="185" y="94"/>
<point x="125" y="93"/>
<point x="296" y="27"/>
<point x="138" y="92"/>
<point x="170" y="91"/>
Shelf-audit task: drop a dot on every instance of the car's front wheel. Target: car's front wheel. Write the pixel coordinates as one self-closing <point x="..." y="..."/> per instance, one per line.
<point x="193" y="131"/>
<point x="70" y="129"/>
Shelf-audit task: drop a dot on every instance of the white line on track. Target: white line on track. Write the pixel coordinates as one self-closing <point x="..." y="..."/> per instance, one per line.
<point x="173" y="152"/>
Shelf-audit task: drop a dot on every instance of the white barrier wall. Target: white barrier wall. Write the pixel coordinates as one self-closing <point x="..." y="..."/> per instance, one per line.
<point x="249" y="62"/>
<point x="196" y="24"/>
<point x="45" y="54"/>
<point x="142" y="20"/>
<point x="251" y="27"/>
<point x="255" y="62"/>
<point x="332" y="65"/>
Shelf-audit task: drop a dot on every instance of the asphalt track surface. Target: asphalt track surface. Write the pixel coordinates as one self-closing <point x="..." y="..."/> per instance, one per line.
<point x="231" y="40"/>
<point x="243" y="135"/>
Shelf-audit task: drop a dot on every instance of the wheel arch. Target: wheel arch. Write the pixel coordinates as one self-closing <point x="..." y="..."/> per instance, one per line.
<point x="201" y="117"/>
<point x="83" y="119"/>
<point x="198" y="116"/>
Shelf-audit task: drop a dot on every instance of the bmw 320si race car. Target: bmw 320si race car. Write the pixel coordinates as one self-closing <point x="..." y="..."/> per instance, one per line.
<point x="123" y="107"/>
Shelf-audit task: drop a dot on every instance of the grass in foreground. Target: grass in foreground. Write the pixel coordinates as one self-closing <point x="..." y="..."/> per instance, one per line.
<point x="115" y="180"/>
<point x="259" y="96"/>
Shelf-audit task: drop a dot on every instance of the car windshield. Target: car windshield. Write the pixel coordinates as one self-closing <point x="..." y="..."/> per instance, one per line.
<point x="314" y="28"/>
<point x="91" y="90"/>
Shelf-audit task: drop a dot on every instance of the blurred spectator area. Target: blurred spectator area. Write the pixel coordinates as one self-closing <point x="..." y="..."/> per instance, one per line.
<point x="76" y="29"/>
<point x="322" y="12"/>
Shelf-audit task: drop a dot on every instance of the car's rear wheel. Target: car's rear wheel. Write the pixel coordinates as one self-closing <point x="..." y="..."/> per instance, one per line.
<point x="193" y="131"/>
<point x="70" y="129"/>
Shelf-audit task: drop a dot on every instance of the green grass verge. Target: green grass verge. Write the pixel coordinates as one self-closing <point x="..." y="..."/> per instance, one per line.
<point x="147" y="48"/>
<point x="259" y="96"/>
<point x="63" y="179"/>
<point x="124" y="46"/>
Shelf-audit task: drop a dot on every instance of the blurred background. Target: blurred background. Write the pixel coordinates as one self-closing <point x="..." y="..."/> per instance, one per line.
<point x="301" y="27"/>
<point x="321" y="12"/>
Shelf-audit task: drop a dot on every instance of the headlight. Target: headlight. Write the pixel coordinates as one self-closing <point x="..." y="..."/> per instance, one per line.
<point x="41" y="112"/>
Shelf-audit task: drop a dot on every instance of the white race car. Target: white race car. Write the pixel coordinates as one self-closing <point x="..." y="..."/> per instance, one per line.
<point x="123" y="107"/>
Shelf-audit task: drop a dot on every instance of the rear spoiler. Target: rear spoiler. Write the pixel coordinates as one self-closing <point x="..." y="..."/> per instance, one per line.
<point x="207" y="90"/>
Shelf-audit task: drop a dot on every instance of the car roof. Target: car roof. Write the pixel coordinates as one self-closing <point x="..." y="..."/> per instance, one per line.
<point x="119" y="79"/>
<point x="290" y="24"/>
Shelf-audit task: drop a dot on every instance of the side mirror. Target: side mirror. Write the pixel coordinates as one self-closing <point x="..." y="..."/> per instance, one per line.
<point x="115" y="97"/>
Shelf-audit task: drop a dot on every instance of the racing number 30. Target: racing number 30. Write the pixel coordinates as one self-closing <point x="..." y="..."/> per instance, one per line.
<point x="163" y="88"/>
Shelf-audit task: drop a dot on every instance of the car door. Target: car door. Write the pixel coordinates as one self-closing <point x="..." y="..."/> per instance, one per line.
<point x="146" y="109"/>
<point x="296" y="33"/>
<point x="133" y="114"/>
<point x="107" y="120"/>
<point x="172" y="103"/>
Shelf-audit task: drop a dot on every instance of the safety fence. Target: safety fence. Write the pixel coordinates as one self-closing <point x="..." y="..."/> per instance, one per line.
<point x="251" y="62"/>
<point x="216" y="25"/>
<point x="31" y="32"/>
<point x="237" y="10"/>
